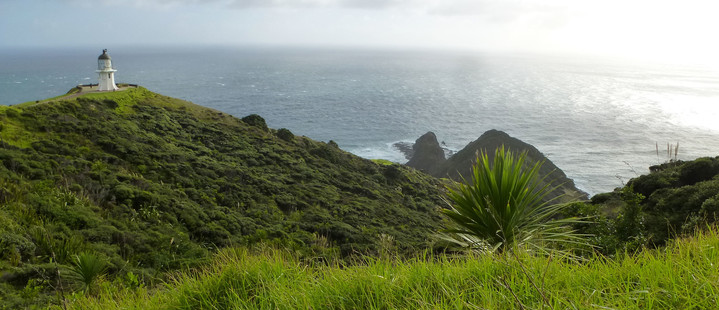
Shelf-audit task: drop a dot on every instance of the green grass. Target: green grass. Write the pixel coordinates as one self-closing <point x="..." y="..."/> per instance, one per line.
<point x="30" y="103"/>
<point x="383" y="162"/>
<point x="11" y="129"/>
<point x="680" y="276"/>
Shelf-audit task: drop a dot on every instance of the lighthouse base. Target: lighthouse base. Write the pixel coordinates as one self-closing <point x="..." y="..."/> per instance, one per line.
<point x="106" y="81"/>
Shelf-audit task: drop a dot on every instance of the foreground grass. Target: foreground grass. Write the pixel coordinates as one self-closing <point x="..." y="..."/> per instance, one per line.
<point x="681" y="276"/>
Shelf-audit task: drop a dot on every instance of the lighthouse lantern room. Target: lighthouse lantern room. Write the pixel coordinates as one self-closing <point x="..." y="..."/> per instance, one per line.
<point x="106" y="74"/>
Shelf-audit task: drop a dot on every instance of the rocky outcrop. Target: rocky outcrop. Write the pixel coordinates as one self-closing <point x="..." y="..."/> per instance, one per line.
<point x="460" y="164"/>
<point x="427" y="154"/>
<point x="405" y="148"/>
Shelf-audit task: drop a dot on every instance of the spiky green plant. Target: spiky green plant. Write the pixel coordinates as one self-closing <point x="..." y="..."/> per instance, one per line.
<point x="87" y="269"/>
<point x="501" y="207"/>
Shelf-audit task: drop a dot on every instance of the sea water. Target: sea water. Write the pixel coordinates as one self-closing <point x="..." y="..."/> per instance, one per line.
<point x="601" y="121"/>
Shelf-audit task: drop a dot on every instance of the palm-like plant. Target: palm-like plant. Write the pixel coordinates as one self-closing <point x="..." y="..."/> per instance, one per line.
<point x="87" y="269"/>
<point x="501" y="207"/>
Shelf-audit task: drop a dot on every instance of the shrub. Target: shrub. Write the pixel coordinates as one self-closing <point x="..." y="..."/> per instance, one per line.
<point x="285" y="134"/>
<point x="501" y="207"/>
<point x="112" y="104"/>
<point x="630" y="223"/>
<point x="12" y="113"/>
<point x="256" y="121"/>
<point x="699" y="170"/>
<point x="13" y="247"/>
<point x="87" y="269"/>
<point x="327" y="152"/>
<point x="392" y="172"/>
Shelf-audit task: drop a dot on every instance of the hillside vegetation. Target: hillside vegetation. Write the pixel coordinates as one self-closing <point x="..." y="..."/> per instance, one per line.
<point x="151" y="183"/>
<point x="673" y="200"/>
<point x="132" y="199"/>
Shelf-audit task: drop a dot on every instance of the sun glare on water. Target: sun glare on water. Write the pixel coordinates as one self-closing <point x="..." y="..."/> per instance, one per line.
<point x="692" y="111"/>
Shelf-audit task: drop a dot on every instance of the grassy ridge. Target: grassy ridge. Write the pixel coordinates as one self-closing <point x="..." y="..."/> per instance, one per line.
<point x="680" y="276"/>
<point x="151" y="183"/>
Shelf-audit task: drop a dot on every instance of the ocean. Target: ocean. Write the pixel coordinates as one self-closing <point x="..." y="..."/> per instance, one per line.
<point x="599" y="120"/>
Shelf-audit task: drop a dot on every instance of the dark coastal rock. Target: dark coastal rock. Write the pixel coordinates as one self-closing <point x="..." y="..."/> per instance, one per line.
<point x="405" y="148"/>
<point x="427" y="154"/>
<point x="460" y="164"/>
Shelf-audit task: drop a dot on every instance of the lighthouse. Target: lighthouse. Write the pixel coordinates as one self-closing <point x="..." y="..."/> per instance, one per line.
<point x="106" y="74"/>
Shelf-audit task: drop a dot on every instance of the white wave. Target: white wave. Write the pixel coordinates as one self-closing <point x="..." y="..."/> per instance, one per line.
<point x="386" y="151"/>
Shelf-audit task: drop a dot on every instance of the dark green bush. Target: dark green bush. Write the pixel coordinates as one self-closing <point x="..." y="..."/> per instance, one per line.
<point x="648" y="184"/>
<point x="112" y="104"/>
<point x="327" y="152"/>
<point x="15" y="247"/>
<point x="285" y="134"/>
<point x="392" y="172"/>
<point x="603" y="197"/>
<point x="256" y="121"/>
<point x="12" y="113"/>
<point x="698" y="170"/>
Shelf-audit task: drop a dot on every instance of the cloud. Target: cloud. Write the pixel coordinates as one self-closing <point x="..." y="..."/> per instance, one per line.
<point x="355" y="4"/>
<point x="439" y="7"/>
<point x="244" y="4"/>
<point x="547" y="13"/>
<point x="540" y="13"/>
<point x="482" y="16"/>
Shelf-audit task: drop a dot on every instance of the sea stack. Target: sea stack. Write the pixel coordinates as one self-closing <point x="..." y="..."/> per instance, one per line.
<point x="426" y="156"/>
<point x="106" y="74"/>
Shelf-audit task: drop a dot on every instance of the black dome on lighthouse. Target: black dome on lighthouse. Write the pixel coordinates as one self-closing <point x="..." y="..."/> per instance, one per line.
<point x="104" y="55"/>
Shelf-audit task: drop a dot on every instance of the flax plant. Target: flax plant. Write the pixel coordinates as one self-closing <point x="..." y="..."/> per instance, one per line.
<point x="501" y="208"/>
<point x="87" y="269"/>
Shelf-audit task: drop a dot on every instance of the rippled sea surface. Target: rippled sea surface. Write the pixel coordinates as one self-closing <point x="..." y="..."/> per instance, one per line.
<point x="598" y="120"/>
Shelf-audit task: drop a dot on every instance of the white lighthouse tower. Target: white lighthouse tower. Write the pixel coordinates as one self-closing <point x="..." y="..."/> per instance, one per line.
<point x="106" y="78"/>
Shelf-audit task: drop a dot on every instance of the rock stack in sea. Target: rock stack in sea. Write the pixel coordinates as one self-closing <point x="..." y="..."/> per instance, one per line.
<point x="427" y="155"/>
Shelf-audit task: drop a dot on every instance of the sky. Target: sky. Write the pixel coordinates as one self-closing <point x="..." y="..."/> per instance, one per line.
<point x="658" y="29"/>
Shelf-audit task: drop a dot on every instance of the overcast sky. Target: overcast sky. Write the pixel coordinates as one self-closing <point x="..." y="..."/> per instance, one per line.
<point x="652" y="29"/>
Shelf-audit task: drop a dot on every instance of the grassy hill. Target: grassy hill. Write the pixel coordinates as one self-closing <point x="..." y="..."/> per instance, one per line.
<point x="152" y="183"/>
<point x="154" y="187"/>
